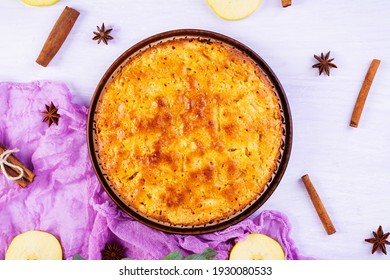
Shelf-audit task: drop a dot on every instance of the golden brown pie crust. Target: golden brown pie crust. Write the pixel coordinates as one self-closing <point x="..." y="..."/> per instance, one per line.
<point x="189" y="132"/>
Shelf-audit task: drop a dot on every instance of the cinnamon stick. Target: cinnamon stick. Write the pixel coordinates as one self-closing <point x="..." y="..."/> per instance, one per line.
<point x="286" y="3"/>
<point x="28" y="175"/>
<point x="318" y="205"/>
<point x="361" y="100"/>
<point x="57" y="36"/>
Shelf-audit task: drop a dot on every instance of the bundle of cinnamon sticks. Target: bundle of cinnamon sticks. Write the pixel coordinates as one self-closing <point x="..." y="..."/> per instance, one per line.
<point x="28" y="175"/>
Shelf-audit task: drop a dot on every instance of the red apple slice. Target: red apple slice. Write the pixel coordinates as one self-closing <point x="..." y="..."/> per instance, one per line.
<point x="34" y="245"/>
<point x="40" y="2"/>
<point x="257" y="246"/>
<point x="234" y="9"/>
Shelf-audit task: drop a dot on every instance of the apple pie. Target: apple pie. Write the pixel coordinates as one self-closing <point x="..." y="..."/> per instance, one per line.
<point x="189" y="132"/>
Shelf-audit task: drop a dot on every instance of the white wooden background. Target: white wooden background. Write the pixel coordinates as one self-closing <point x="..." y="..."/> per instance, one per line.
<point x="349" y="167"/>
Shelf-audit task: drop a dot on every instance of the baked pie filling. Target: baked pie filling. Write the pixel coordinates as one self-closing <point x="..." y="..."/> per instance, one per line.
<point x="189" y="131"/>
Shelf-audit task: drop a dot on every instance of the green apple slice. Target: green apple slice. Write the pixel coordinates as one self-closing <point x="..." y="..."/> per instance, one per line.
<point x="40" y="2"/>
<point x="34" y="245"/>
<point x="257" y="246"/>
<point x="234" y="9"/>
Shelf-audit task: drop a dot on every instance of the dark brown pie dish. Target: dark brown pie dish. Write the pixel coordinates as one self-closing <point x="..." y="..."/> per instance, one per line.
<point x="148" y="198"/>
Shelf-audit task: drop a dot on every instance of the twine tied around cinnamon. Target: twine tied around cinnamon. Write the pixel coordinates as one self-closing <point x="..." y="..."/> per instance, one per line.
<point x="4" y="162"/>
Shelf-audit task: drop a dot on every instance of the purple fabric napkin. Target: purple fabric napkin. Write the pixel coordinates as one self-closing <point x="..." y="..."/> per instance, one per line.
<point x="66" y="198"/>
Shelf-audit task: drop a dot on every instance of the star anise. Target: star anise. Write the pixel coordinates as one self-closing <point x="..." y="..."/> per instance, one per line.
<point x="51" y="114"/>
<point x="324" y="63"/>
<point x="102" y="34"/>
<point x="379" y="241"/>
<point x="112" y="252"/>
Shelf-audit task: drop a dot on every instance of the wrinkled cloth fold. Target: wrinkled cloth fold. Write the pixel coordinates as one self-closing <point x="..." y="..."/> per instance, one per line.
<point x="66" y="198"/>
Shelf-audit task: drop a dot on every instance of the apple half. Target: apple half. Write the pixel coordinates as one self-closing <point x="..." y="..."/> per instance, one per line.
<point x="257" y="246"/>
<point x="40" y="2"/>
<point x="34" y="245"/>
<point x="234" y="9"/>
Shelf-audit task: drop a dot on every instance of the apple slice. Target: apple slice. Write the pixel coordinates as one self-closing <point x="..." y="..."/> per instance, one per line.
<point x="40" y="2"/>
<point x="234" y="9"/>
<point x="257" y="246"/>
<point x="34" y="245"/>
